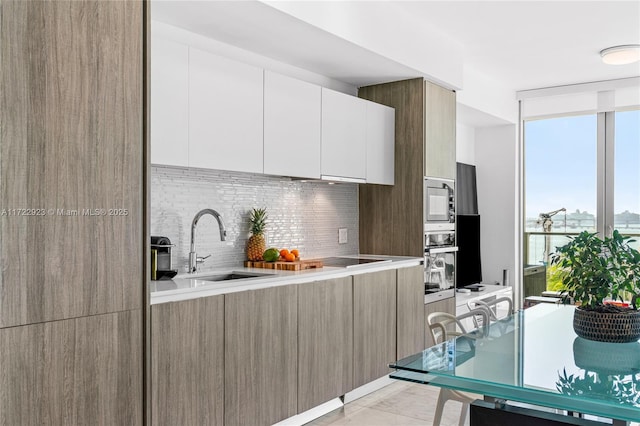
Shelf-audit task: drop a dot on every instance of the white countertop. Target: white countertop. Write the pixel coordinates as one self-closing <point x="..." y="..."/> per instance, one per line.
<point x="487" y="291"/>
<point x="188" y="286"/>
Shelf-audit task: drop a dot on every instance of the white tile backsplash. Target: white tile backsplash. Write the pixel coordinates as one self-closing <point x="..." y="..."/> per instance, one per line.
<point x="302" y="215"/>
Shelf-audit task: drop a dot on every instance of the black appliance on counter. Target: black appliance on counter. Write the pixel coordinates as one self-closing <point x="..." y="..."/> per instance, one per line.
<point x="349" y="262"/>
<point x="161" y="263"/>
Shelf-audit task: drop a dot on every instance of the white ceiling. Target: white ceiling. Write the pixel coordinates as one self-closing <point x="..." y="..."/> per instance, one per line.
<point x="519" y="44"/>
<point x="522" y="44"/>
<point x="535" y="44"/>
<point x="257" y="27"/>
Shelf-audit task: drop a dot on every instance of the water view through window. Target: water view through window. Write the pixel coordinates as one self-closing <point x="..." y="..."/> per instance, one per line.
<point x="560" y="173"/>
<point x="627" y="172"/>
<point x="560" y="179"/>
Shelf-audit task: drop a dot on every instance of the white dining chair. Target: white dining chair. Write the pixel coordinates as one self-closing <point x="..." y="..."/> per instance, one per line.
<point x="444" y="326"/>
<point x="491" y="306"/>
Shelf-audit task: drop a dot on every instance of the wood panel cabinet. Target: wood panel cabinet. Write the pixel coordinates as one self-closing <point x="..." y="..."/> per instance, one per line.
<point x="446" y="305"/>
<point x="187" y="362"/>
<point x="71" y="102"/>
<point x="169" y="103"/>
<point x="344" y="136"/>
<point x="380" y="144"/>
<point x="424" y="145"/>
<point x="261" y="356"/>
<point x="77" y="371"/>
<point x="397" y="207"/>
<point x="71" y="280"/>
<point x="292" y="112"/>
<point x="410" y="311"/>
<point x="225" y="113"/>
<point x="439" y="132"/>
<point x="325" y="341"/>
<point x="374" y="325"/>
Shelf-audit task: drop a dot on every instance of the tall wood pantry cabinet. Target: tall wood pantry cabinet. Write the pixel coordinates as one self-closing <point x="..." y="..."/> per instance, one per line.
<point x="71" y="141"/>
<point x="391" y="217"/>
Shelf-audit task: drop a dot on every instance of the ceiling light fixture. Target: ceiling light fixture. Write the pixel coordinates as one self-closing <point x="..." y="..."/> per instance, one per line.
<point x="621" y="55"/>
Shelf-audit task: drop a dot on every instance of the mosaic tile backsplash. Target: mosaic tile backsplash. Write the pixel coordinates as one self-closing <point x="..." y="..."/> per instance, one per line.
<point x="302" y="215"/>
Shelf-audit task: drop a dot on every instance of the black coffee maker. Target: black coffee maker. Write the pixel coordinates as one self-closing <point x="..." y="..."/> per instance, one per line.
<point x="161" y="267"/>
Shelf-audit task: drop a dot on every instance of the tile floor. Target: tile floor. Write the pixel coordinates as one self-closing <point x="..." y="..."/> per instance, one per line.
<point x="399" y="404"/>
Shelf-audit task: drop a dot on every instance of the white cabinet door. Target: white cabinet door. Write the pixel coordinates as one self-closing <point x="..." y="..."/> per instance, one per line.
<point x="225" y="113"/>
<point x="380" y="143"/>
<point x="343" y="135"/>
<point x="291" y="126"/>
<point x="169" y="103"/>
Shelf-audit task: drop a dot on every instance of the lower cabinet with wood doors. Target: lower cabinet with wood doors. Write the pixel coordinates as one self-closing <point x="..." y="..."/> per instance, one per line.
<point x="410" y="308"/>
<point x="80" y="371"/>
<point x="325" y="341"/>
<point x="187" y="362"/>
<point x="260" y="356"/>
<point x="374" y="325"/>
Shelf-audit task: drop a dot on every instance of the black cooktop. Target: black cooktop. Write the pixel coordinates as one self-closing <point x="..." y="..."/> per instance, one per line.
<point x="345" y="262"/>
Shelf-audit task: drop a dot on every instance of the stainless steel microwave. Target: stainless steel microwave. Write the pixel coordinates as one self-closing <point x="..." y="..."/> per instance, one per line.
<point x="439" y="203"/>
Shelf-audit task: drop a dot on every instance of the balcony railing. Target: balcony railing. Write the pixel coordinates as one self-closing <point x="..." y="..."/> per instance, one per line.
<point x="540" y="246"/>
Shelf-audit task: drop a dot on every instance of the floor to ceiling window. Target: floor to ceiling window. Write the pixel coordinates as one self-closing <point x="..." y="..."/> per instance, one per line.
<point x="560" y="182"/>
<point x="626" y="202"/>
<point x="581" y="172"/>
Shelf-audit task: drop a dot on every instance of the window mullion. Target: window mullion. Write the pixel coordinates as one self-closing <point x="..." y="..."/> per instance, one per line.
<point x="609" y="136"/>
<point x="601" y="170"/>
<point x="605" y="173"/>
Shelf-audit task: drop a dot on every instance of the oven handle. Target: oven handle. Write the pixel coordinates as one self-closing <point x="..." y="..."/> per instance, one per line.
<point x="438" y="250"/>
<point x="446" y="231"/>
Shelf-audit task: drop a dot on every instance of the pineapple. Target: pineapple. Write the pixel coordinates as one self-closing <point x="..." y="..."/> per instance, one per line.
<point x="256" y="244"/>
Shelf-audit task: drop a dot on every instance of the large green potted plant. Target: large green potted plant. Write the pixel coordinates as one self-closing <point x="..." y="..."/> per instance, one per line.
<point x="600" y="275"/>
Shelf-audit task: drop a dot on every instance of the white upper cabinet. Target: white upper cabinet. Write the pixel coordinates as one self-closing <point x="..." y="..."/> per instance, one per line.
<point x="292" y="113"/>
<point x="344" y="138"/>
<point x="380" y="143"/>
<point x="169" y="103"/>
<point x="225" y="113"/>
<point x="211" y="112"/>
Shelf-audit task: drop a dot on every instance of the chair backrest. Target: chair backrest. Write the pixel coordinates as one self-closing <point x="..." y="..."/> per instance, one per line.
<point x="491" y="308"/>
<point x="443" y="325"/>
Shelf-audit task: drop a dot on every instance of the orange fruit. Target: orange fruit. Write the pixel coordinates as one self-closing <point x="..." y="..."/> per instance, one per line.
<point x="295" y="252"/>
<point x="289" y="257"/>
<point x="284" y="252"/>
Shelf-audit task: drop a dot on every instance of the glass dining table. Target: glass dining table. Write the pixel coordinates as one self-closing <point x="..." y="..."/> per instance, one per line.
<point x="535" y="357"/>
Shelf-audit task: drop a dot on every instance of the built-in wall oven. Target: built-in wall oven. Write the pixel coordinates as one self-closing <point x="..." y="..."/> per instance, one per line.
<point x="439" y="239"/>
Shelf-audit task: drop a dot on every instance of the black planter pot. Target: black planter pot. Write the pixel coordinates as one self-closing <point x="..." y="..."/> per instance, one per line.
<point x="619" y="327"/>
<point x="605" y="358"/>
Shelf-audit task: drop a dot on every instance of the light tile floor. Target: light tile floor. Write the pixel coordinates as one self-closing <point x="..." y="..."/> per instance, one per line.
<point x="399" y="404"/>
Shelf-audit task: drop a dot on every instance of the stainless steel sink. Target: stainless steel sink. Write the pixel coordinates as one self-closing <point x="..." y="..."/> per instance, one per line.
<point x="234" y="275"/>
